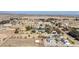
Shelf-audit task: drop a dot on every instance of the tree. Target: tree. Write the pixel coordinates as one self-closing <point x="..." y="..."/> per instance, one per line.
<point x="42" y="20"/>
<point x="28" y="28"/>
<point x="58" y="24"/>
<point x="11" y="19"/>
<point x="48" y="29"/>
<point x="4" y="21"/>
<point x="56" y="40"/>
<point x="33" y="31"/>
<point x="50" y="19"/>
<point x="74" y="33"/>
<point x="17" y="30"/>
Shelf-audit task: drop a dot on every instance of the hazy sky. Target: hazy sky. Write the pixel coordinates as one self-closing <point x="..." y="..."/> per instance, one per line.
<point x="43" y="12"/>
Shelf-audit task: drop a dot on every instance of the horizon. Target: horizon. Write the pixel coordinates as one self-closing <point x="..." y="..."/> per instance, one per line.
<point x="64" y="13"/>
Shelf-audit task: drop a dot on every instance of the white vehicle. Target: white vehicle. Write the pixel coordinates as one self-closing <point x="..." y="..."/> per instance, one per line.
<point x="37" y="41"/>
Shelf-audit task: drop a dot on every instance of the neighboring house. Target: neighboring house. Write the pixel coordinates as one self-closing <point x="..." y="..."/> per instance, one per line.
<point x="7" y="25"/>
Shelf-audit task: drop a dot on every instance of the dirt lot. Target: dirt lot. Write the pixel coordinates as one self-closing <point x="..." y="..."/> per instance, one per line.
<point x="21" y="43"/>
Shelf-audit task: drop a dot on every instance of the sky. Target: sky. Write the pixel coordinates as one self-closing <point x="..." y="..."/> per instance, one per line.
<point x="69" y="13"/>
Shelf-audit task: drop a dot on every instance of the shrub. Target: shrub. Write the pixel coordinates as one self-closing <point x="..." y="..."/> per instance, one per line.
<point x="28" y="28"/>
<point x="17" y="30"/>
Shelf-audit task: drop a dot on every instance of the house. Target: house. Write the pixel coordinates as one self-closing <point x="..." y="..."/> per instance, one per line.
<point x="7" y="25"/>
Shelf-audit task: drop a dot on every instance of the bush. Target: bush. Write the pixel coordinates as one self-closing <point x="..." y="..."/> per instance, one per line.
<point x="28" y="28"/>
<point x="33" y="31"/>
<point x="17" y="30"/>
<point x="74" y="33"/>
<point x="48" y="29"/>
<point x="4" y="21"/>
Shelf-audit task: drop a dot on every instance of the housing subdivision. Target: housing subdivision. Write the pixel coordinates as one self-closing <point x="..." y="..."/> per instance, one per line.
<point x="39" y="31"/>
